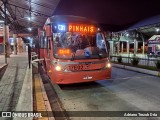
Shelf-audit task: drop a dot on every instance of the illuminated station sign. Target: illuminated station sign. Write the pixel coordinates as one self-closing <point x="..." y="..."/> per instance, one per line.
<point x="83" y="28"/>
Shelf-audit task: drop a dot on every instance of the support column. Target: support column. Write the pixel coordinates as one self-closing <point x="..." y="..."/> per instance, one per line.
<point x="143" y="48"/>
<point x="6" y="42"/>
<point x="122" y="47"/>
<point x="135" y="46"/>
<point x="24" y="47"/>
<point x="20" y="45"/>
<point x="111" y="47"/>
<point x="114" y="48"/>
<point x="128" y="45"/>
<point x="15" y="44"/>
<point x="118" y="47"/>
<point x="5" y="33"/>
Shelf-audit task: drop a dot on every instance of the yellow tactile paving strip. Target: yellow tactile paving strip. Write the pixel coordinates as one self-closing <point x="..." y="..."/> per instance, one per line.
<point x="39" y="97"/>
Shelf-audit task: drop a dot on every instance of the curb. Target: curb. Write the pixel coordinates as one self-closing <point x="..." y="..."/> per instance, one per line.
<point x="141" y="70"/>
<point x="2" y="66"/>
<point x="46" y="101"/>
<point x="42" y="101"/>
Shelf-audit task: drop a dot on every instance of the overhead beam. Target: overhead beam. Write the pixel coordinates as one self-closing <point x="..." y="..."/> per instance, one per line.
<point x="39" y="4"/>
<point x="8" y="20"/>
<point x="28" y="10"/>
<point x="14" y="26"/>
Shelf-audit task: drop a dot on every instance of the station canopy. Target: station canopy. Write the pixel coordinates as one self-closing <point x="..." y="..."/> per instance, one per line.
<point x="24" y="14"/>
<point x="154" y="37"/>
<point x="149" y="26"/>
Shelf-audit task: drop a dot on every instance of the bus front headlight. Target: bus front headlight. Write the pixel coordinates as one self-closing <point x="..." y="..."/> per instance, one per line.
<point x="108" y="65"/>
<point x="58" y="68"/>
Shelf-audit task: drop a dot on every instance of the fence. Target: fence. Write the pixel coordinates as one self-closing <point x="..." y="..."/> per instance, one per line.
<point x="145" y="60"/>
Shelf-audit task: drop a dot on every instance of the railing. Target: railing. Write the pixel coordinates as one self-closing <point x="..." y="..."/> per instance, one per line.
<point x="145" y="60"/>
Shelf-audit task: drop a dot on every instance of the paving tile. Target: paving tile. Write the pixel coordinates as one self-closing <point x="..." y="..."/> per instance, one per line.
<point x="12" y="81"/>
<point x="1" y="88"/>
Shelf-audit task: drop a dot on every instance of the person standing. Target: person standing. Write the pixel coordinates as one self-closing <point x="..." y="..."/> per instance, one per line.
<point x="29" y="55"/>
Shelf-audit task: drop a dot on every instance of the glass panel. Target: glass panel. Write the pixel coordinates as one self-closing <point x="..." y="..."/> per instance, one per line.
<point x="45" y="42"/>
<point x="42" y="42"/>
<point x="73" y="45"/>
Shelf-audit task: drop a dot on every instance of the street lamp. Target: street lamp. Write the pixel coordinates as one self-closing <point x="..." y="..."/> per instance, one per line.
<point x="30" y="29"/>
<point x="157" y="29"/>
<point x="29" y="18"/>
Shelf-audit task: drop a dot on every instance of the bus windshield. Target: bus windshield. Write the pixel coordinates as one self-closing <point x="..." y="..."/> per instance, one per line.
<point x="73" y="45"/>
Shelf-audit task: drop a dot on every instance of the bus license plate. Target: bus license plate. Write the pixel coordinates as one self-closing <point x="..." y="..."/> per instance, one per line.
<point x="87" y="78"/>
<point x="76" y="67"/>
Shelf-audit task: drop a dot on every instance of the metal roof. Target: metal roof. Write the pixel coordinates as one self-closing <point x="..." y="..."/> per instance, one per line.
<point x="154" y="37"/>
<point x="147" y="26"/>
<point x="19" y="12"/>
<point x="152" y="21"/>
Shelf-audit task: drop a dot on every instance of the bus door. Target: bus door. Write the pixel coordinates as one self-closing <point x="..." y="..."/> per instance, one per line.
<point x="42" y="46"/>
<point x="48" y="53"/>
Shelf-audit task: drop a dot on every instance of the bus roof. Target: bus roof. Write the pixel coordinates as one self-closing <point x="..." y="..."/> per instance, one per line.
<point x="69" y="19"/>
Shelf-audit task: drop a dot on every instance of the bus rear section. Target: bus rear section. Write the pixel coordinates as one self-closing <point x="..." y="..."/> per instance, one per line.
<point x="76" y="52"/>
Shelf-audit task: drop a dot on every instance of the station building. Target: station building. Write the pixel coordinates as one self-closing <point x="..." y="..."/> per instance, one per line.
<point x="141" y="38"/>
<point x="20" y="44"/>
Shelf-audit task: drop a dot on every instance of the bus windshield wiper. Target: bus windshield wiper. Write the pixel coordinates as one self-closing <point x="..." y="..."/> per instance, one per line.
<point x="73" y="55"/>
<point x="99" y="54"/>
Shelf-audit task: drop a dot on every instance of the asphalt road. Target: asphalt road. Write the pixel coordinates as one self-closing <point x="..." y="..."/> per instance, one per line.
<point x="126" y="91"/>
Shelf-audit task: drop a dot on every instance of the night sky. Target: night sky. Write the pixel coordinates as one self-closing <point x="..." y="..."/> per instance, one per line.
<point x="115" y="12"/>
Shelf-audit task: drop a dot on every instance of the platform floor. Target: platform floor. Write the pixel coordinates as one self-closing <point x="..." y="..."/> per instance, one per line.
<point x="13" y="84"/>
<point x="17" y="87"/>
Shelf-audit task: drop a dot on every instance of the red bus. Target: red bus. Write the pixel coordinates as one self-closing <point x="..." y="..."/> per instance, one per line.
<point x="74" y="50"/>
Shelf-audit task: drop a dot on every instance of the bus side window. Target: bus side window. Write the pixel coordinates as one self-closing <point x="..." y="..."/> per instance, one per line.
<point x="49" y="43"/>
<point x="45" y="43"/>
<point x="41" y="42"/>
<point x="48" y="46"/>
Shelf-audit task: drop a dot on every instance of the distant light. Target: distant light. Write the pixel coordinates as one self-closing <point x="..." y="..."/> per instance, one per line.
<point x="127" y="34"/>
<point x="31" y="41"/>
<point x="157" y="29"/>
<point x="29" y="18"/>
<point x="30" y="29"/>
<point x="1" y="21"/>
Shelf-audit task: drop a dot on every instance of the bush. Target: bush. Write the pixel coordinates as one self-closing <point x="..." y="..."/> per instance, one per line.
<point x="135" y="61"/>
<point x="119" y="59"/>
<point x="157" y="63"/>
